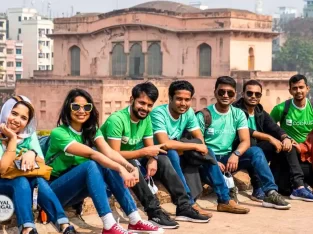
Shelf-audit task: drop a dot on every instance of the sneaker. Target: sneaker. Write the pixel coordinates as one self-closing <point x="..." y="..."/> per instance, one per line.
<point x="275" y="200"/>
<point x="202" y="211"/>
<point x="233" y="194"/>
<point x="302" y="194"/>
<point x="116" y="229"/>
<point x="257" y="195"/>
<point x="309" y="188"/>
<point x="144" y="226"/>
<point x="232" y="207"/>
<point x="70" y="230"/>
<point x="163" y="220"/>
<point x="189" y="214"/>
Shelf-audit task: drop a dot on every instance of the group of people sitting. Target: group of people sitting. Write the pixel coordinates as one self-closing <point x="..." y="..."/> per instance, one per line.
<point x="141" y="142"/>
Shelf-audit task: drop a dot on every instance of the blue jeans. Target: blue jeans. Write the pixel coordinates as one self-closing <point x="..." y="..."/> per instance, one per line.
<point x="87" y="179"/>
<point x="254" y="159"/>
<point x="20" y="191"/>
<point x="175" y="160"/>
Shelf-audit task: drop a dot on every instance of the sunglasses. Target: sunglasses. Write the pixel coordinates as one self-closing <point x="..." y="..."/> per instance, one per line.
<point x="256" y="94"/>
<point x="76" y="107"/>
<point x="222" y="92"/>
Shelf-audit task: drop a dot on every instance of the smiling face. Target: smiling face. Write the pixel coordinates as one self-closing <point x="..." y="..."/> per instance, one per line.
<point x="18" y="118"/>
<point x="299" y="90"/>
<point x="80" y="116"/>
<point x="141" y="106"/>
<point x="252" y="95"/>
<point x="181" y="102"/>
<point x="225" y="95"/>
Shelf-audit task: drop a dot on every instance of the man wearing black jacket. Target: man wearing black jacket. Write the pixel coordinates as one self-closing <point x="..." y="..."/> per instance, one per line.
<point x="273" y="140"/>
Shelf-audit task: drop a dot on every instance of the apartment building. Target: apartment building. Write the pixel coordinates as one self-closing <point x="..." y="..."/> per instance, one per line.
<point x="27" y="25"/>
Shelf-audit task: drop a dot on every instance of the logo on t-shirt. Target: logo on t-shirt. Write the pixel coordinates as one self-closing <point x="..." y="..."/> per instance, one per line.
<point x="289" y="122"/>
<point x="211" y="131"/>
<point x="125" y="139"/>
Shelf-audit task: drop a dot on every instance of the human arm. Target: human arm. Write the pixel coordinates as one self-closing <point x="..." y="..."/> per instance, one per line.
<point x="10" y="153"/>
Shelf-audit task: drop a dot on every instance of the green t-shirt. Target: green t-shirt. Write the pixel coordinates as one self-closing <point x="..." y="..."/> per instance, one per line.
<point x="222" y="132"/>
<point x="60" y="139"/>
<point x="298" y="123"/>
<point x="251" y="122"/>
<point x="163" y="121"/>
<point x="28" y="144"/>
<point x="119" y="126"/>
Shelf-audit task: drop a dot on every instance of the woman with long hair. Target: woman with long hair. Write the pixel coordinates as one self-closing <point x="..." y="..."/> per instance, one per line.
<point x="18" y="137"/>
<point x="75" y="176"/>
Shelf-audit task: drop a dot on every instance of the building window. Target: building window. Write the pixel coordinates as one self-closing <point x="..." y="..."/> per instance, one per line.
<point x="47" y="31"/>
<point x="19" y="18"/>
<point x="1" y="49"/>
<point x="48" y="43"/>
<point x="18" y="64"/>
<point x="52" y="55"/>
<point x="19" y="30"/>
<point x="47" y="55"/>
<point x="10" y="64"/>
<point x="18" y="51"/>
<point x="48" y="67"/>
<point x="1" y="24"/>
<point x="41" y="32"/>
<point x="10" y="51"/>
<point x="18" y="76"/>
<point x="41" y="67"/>
<point x="41" y="55"/>
<point x="10" y="77"/>
<point x="1" y="36"/>
<point x="119" y="61"/>
<point x="154" y="60"/>
<point x="75" y="61"/>
<point x="137" y="61"/>
<point x="251" y="59"/>
<point x="203" y="103"/>
<point x="205" y="60"/>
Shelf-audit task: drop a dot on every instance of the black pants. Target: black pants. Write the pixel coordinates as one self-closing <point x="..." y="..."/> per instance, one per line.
<point x="168" y="177"/>
<point x="308" y="172"/>
<point x="285" y="166"/>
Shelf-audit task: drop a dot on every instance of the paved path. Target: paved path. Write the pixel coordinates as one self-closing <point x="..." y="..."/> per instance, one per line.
<point x="259" y="221"/>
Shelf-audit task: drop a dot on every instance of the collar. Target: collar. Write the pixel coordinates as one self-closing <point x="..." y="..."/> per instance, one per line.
<point x="214" y="108"/>
<point x="73" y="130"/>
<point x="169" y="113"/>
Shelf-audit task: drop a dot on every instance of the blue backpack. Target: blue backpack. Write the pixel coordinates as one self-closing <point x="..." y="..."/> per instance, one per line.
<point x="44" y="142"/>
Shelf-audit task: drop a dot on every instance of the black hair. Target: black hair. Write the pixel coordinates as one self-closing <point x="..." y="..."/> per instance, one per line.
<point x="225" y="80"/>
<point x="296" y="78"/>
<point x="180" y="85"/>
<point x="252" y="82"/>
<point x="31" y="111"/>
<point x="148" y="88"/>
<point x="91" y="125"/>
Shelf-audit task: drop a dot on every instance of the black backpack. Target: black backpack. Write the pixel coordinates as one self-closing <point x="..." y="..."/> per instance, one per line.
<point x="207" y="122"/>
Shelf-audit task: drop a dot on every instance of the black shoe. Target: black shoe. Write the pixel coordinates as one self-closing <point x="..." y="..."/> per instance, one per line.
<point x="275" y="200"/>
<point x="70" y="230"/>
<point x="162" y="220"/>
<point x="189" y="214"/>
<point x="233" y="194"/>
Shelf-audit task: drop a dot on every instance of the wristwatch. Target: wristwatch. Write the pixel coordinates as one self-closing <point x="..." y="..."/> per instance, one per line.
<point x="237" y="153"/>
<point x="36" y="154"/>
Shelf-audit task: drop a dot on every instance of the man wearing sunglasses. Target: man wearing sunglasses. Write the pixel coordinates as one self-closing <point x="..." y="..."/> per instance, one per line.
<point x="273" y="140"/>
<point x="129" y="131"/>
<point x="229" y="123"/>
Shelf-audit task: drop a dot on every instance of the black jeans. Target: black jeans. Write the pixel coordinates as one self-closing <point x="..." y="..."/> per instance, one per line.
<point x="168" y="177"/>
<point x="308" y="172"/>
<point x="284" y="164"/>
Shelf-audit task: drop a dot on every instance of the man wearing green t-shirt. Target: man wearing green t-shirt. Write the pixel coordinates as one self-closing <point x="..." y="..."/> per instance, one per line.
<point x="129" y="131"/>
<point x="228" y="124"/>
<point x="275" y="143"/>
<point x="298" y="121"/>
<point x="169" y="122"/>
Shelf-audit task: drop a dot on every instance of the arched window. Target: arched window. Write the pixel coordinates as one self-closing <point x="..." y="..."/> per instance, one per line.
<point x="205" y="60"/>
<point x="251" y="59"/>
<point x="75" y="61"/>
<point x="194" y="103"/>
<point x="154" y="60"/>
<point x="137" y="61"/>
<point x="203" y="102"/>
<point x="119" y="61"/>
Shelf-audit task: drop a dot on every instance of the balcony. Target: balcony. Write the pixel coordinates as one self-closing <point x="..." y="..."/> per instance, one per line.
<point x="2" y="69"/>
<point x="18" y="56"/>
<point x="19" y="44"/>
<point x="19" y="69"/>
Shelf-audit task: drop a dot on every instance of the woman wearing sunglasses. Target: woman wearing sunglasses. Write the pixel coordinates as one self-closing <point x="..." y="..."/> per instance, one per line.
<point x="18" y="126"/>
<point x="75" y="176"/>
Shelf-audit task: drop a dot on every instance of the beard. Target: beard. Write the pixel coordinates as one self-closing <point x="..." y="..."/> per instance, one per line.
<point x="251" y="105"/>
<point x="136" y="113"/>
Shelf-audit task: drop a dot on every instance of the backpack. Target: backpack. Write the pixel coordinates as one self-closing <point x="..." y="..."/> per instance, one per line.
<point x="286" y="109"/>
<point x="44" y="142"/>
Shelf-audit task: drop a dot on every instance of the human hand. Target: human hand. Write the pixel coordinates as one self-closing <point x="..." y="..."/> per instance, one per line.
<point x="287" y="144"/>
<point x="232" y="164"/>
<point x="152" y="167"/>
<point x="202" y="148"/>
<point x="7" y="132"/>
<point x="128" y="178"/>
<point x="28" y="161"/>
<point x="155" y="150"/>
<point x="221" y="166"/>
<point x="278" y="144"/>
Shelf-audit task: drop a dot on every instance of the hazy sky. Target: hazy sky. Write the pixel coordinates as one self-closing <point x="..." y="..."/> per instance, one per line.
<point x="59" y="6"/>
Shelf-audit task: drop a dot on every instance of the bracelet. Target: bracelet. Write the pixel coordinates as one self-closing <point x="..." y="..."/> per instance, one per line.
<point x="11" y="151"/>
<point x="36" y="154"/>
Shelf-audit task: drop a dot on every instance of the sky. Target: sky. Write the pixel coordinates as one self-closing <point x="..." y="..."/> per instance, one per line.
<point x="67" y="6"/>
